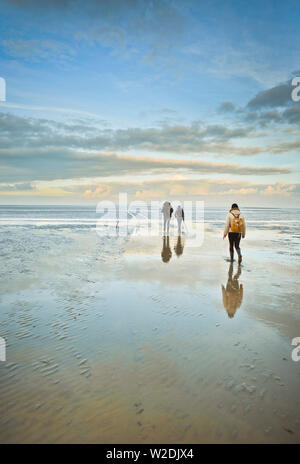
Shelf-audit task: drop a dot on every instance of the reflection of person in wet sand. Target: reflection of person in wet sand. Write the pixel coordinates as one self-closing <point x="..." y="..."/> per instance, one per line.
<point x="179" y="246"/>
<point x="233" y="293"/>
<point x="166" y="253"/>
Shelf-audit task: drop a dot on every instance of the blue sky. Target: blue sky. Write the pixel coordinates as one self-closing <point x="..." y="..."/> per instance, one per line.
<point x="160" y="98"/>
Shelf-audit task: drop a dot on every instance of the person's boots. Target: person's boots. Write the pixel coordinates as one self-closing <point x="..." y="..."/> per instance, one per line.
<point x="231" y="256"/>
<point x="240" y="257"/>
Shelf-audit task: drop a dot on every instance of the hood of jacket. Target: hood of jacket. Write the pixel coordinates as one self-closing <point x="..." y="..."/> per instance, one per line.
<point x="235" y="212"/>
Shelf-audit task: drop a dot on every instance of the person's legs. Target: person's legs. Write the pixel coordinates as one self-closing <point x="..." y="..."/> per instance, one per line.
<point x="165" y="224"/>
<point x="237" y="246"/>
<point x="231" y="241"/>
<point x="179" y="220"/>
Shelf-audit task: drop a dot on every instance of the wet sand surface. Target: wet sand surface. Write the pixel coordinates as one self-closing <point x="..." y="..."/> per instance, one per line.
<point x="136" y="340"/>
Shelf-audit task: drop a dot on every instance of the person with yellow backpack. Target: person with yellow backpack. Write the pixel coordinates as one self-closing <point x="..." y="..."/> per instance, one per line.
<point x="235" y="228"/>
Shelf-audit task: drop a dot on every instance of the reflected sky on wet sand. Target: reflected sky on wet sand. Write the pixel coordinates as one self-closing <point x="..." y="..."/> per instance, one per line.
<point x="148" y="339"/>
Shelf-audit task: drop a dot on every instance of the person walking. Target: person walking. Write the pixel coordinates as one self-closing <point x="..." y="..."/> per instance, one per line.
<point x="235" y="228"/>
<point x="179" y="214"/>
<point x="167" y="211"/>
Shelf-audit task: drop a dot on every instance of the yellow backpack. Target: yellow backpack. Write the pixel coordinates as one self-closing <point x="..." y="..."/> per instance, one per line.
<point x="237" y="224"/>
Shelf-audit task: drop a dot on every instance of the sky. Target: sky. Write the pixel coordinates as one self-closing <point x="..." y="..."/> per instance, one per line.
<point x="163" y="99"/>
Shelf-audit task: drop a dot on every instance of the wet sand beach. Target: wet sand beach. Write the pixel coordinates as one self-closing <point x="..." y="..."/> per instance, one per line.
<point x="143" y="340"/>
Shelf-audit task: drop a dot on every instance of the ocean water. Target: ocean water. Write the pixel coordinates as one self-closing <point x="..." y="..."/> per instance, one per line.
<point x="129" y="338"/>
<point x="86" y="216"/>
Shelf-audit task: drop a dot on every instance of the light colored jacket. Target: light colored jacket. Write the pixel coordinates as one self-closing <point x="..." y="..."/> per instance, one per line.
<point x="178" y="212"/>
<point x="166" y="209"/>
<point x="229" y="219"/>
